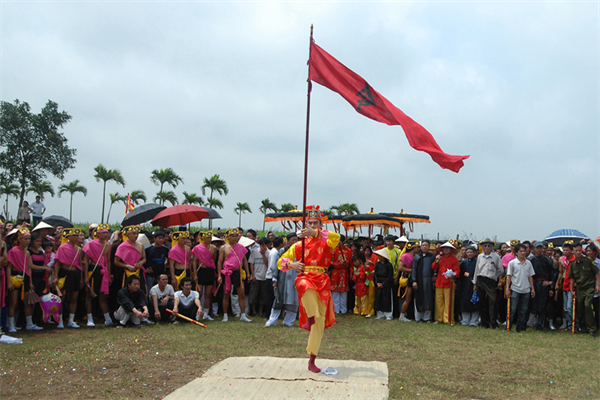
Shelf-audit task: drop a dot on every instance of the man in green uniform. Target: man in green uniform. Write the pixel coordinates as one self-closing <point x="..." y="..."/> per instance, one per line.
<point x="585" y="276"/>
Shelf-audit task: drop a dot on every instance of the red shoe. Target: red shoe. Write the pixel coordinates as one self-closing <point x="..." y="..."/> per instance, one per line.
<point x="310" y="322"/>
<point x="311" y="364"/>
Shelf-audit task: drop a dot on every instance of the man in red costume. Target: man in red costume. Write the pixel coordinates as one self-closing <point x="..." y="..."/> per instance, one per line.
<point x="312" y="283"/>
<point x="342" y="265"/>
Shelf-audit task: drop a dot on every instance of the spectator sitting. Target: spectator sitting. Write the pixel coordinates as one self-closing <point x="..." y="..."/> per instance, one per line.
<point x="132" y="302"/>
<point x="162" y="297"/>
<point x="187" y="301"/>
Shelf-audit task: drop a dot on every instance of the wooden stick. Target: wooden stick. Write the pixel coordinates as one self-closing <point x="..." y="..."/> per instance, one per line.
<point x="573" y="324"/>
<point x="507" y="313"/>
<point x="193" y="321"/>
<point x="450" y="308"/>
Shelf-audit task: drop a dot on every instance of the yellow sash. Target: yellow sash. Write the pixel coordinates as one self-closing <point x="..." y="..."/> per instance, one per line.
<point x="180" y="277"/>
<point x="17" y="281"/>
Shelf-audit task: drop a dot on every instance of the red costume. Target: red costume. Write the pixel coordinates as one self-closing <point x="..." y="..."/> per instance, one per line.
<point x="342" y="265"/>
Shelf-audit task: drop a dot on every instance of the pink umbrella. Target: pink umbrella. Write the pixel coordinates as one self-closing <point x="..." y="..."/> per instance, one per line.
<point x="182" y="214"/>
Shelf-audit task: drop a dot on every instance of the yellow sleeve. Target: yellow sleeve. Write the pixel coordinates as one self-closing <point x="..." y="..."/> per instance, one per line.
<point x="333" y="239"/>
<point x="290" y="255"/>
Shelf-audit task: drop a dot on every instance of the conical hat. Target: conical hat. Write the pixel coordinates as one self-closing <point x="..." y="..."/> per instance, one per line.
<point x="383" y="253"/>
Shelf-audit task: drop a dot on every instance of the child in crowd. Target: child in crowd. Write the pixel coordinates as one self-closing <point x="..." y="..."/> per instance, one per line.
<point x="361" y="289"/>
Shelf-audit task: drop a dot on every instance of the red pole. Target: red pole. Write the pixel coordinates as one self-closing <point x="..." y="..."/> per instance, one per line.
<point x="306" y="143"/>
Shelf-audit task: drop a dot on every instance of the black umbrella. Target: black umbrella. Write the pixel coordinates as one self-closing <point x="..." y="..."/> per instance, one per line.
<point x="57" y="220"/>
<point x="141" y="214"/>
<point x="213" y="214"/>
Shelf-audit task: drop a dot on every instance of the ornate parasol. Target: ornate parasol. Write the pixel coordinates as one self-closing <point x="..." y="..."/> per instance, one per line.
<point x="407" y="218"/>
<point x="287" y="217"/>
<point x="370" y="220"/>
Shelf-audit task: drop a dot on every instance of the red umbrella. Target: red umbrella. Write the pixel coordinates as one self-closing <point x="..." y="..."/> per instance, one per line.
<point x="179" y="215"/>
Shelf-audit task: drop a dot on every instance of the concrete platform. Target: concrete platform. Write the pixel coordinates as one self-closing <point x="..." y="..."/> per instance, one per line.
<point x="287" y="378"/>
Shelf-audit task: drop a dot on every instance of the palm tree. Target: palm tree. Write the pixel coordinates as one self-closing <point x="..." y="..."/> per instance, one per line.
<point x="162" y="176"/>
<point x="9" y="189"/>
<point x="137" y="195"/>
<point x="103" y="174"/>
<point x="192" y="198"/>
<point x="241" y="208"/>
<point x="346" y="209"/>
<point x="166" y="195"/>
<point x="285" y="207"/>
<point x="41" y="188"/>
<point x="266" y="205"/>
<point x="72" y="188"/>
<point x="115" y="198"/>
<point x="214" y="184"/>
<point x="214" y="203"/>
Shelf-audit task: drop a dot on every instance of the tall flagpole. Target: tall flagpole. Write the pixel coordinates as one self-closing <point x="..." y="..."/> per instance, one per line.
<point x="306" y="143"/>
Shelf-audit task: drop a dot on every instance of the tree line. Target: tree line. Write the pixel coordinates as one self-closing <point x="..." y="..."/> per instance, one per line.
<point x="32" y="148"/>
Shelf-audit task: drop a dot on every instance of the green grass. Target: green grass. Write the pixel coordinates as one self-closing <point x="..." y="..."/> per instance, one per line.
<point x="425" y="361"/>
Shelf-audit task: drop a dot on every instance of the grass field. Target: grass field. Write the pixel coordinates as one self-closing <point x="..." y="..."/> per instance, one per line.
<point x="425" y="361"/>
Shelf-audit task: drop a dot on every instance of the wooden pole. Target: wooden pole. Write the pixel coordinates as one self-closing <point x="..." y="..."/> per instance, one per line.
<point x="306" y="142"/>
<point x="573" y="322"/>
<point x="193" y="321"/>
<point x="508" y="313"/>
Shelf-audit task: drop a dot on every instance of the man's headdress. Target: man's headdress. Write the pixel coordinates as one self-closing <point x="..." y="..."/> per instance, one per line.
<point x="100" y="228"/>
<point x="205" y="234"/>
<point x="314" y="213"/>
<point x="176" y="236"/>
<point x="130" y="228"/>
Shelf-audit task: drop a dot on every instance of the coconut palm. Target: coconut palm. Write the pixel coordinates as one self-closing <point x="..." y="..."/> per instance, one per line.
<point x="72" y="188"/>
<point x="265" y="206"/>
<point x="214" y="184"/>
<point x="214" y="203"/>
<point x="162" y="176"/>
<point x="9" y="189"/>
<point x="41" y="188"/>
<point x="166" y="195"/>
<point x="345" y="209"/>
<point x="192" y="198"/>
<point x="241" y="208"/>
<point x="137" y="196"/>
<point x="115" y="198"/>
<point x="106" y="175"/>
<point x="285" y="207"/>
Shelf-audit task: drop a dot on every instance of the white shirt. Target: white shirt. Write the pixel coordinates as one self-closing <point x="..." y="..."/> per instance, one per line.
<point x="260" y="268"/>
<point x="37" y="208"/>
<point x="186" y="301"/>
<point x="155" y="291"/>
<point x="519" y="275"/>
<point x="273" y="258"/>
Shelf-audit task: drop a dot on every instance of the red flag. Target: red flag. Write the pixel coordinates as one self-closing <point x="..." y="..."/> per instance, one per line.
<point x="129" y="206"/>
<point x="329" y="72"/>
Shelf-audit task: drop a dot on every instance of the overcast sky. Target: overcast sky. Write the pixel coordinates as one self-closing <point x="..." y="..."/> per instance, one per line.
<point x="220" y="88"/>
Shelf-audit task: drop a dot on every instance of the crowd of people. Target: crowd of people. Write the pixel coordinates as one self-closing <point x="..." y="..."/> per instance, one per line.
<point x="133" y="277"/>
